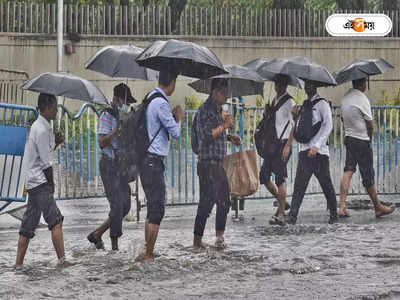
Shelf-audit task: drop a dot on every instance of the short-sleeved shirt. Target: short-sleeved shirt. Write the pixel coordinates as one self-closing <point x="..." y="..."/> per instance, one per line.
<point x="209" y="117"/>
<point x="108" y="123"/>
<point x="356" y="109"/>
<point x="39" y="152"/>
<point x="284" y="115"/>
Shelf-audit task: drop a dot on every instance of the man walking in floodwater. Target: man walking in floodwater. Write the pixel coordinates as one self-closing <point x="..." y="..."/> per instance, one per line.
<point x="116" y="185"/>
<point x="314" y="156"/>
<point x="209" y="129"/>
<point x="161" y="122"/>
<point x="280" y="113"/>
<point x="358" y="127"/>
<point x="40" y="182"/>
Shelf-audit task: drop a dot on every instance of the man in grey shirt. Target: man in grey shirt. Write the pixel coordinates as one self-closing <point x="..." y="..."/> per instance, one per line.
<point x="358" y="127"/>
<point x="40" y="183"/>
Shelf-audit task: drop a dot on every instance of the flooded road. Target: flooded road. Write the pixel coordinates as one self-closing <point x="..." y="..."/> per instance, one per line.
<point x="358" y="258"/>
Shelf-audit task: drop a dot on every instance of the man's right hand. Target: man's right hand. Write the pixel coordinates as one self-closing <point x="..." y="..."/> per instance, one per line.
<point x="228" y="122"/>
<point x="178" y="113"/>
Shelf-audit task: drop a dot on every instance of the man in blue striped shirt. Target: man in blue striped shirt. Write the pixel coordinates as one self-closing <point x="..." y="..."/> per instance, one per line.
<point x="162" y="121"/>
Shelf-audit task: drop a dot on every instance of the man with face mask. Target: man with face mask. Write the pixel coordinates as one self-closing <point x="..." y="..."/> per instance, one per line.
<point x="115" y="184"/>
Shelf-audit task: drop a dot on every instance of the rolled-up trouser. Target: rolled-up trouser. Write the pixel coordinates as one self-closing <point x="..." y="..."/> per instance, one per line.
<point x="307" y="166"/>
<point x="214" y="189"/>
<point x="40" y="200"/>
<point x="153" y="182"/>
<point x="118" y="193"/>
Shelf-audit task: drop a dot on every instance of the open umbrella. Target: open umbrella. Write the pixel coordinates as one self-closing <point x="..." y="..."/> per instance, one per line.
<point x="303" y="68"/>
<point x="362" y="68"/>
<point x="259" y="64"/>
<point x="241" y="82"/>
<point x="66" y="85"/>
<point x="119" y="61"/>
<point x="184" y="58"/>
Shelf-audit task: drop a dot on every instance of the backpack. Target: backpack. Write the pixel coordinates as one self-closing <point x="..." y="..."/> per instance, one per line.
<point x="195" y="140"/>
<point x="267" y="142"/>
<point x="133" y="138"/>
<point x="304" y="130"/>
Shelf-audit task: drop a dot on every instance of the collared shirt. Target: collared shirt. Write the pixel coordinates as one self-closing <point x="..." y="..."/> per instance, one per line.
<point x="159" y="115"/>
<point x="356" y="109"/>
<point x="321" y="112"/>
<point x="283" y="115"/>
<point x="39" y="152"/>
<point x="208" y="118"/>
<point x="107" y="123"/>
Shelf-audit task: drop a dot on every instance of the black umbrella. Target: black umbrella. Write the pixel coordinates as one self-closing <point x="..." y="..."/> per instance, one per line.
<point x="184" y="58"/>
<point x="119" y="61"/>
<point x="242" y="81"/>
<point x="362" y="68"/>
<point x="66" y="85"/>
<point x="259" y="65"/>
<point x="303" y="68"/>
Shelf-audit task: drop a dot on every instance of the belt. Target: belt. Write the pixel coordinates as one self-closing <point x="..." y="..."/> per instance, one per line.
<point x="152" y="155"/>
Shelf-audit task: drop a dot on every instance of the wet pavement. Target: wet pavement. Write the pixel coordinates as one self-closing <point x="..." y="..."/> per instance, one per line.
<point x="359" y="258"/>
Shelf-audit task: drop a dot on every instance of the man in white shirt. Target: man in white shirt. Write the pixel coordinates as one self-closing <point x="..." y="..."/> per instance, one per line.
<point x="277" y="162"/>
<point x="40" y="183"/>
<point x="314" y="157"/>
<point x="358" y="126"/>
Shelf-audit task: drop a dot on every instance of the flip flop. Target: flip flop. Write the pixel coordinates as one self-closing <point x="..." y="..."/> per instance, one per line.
<point x="392" y="208"/>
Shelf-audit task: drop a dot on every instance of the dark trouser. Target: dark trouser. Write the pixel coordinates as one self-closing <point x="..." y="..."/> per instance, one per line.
<point x="40" y="200"/>
<point x="307" y="166"/>
<point x="152" y="178"/>
<point x="359" y="152"/>
<point x="118" y="193"/>
<point x="214" y="189"/>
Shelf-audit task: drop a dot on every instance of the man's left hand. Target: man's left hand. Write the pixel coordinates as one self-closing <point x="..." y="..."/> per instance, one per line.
<point x="236" y="140"/>
<point x="313" y="151"/>
<point x="58" y="139"/>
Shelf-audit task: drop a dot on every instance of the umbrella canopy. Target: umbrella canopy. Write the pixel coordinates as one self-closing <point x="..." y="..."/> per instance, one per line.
<point x="67" y="85"/>
<point x="362" y="68"/>
<point x="259" y="65"/>
<point x="303" y="68"/>
<point x="119" y="61"/>
<point x="184" y="58"/>
<point x="241" y="82"/>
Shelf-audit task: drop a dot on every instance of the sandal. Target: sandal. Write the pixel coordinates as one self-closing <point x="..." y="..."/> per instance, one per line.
<point x="97" y="243"/>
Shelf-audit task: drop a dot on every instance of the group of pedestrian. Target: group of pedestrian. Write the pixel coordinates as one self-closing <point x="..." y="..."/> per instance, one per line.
<point x="210" y="134"/>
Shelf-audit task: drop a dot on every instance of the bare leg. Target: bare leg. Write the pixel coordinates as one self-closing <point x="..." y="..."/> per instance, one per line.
<point x="380" y="209"/>
<point x="146" y="232"/>
<point x="98" y="233"/>
<point x="282" y="199"/>
<point x="152" y="237"/>
<point x="58" y="240"/>
<point x="220" y="241"/>
<point x="272" y="188"/>
<point x="23" y="244"/>
<point x="344" y="189"/>
<point x="198" y="243"/>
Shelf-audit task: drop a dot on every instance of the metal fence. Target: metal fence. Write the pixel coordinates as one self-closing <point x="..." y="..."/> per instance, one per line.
<point x="10" y="82"/>
<point x="28" y="17"/>
<point x="77" y="171"/>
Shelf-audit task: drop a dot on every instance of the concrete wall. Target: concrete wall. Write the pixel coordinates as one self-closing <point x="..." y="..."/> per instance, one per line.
<point x="37" y="53"/>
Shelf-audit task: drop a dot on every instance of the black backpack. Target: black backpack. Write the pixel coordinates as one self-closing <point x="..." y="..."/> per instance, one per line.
<point x="265" y="138"/>
<point x="133" y="138"/>
<point x="304" y="130"/>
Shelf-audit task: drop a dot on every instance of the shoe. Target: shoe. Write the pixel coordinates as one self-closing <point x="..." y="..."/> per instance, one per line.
<point x="97" y="243"/>
<point x="277" y="220"/>
<point x="290" y="220"/>
<point x="275" y="204"/>
<point x="333" y="219"/>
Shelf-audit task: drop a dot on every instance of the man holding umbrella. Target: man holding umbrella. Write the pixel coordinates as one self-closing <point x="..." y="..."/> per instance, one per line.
<point x="209" y="128"/>
<point x="314" y="156"/>
<point x="276" y="162"/>
<point x="115" y="184"/>
<point x="358" y="126"/>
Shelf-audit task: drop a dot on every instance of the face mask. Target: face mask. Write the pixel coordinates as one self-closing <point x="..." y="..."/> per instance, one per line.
<point x="124" y="108"/>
